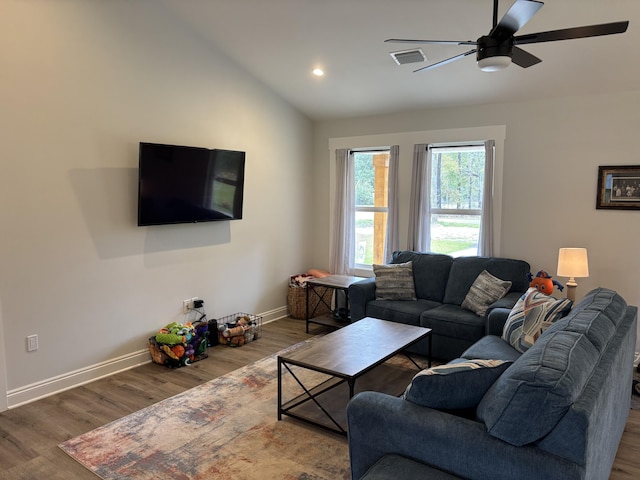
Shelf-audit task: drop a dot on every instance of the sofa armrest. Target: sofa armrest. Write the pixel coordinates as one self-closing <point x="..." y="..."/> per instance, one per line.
<point x="498" y="312"/>
<point x="360" y="293"/>
<point x="381" y="424"/>
<point x="496" y="320"/>
<point x="508" y="301"/>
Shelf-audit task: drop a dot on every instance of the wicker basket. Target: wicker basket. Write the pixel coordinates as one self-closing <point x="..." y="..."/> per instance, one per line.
<point x="297" y="301"/>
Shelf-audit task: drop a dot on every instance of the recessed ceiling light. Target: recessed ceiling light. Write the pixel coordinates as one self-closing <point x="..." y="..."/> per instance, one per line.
<point x="318" y="72"/>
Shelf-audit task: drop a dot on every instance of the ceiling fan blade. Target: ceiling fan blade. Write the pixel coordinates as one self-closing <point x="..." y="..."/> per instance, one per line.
<point x="444" y="62"/>
<point x="571" y="33"/>
<point x="516" y="17"/>
<point x="432" y="42"/>
<point x="523" y="59"/>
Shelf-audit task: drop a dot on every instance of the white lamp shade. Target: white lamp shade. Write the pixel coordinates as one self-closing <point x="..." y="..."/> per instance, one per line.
<point x="573" y="262"/>
<point x="494" y="64"/>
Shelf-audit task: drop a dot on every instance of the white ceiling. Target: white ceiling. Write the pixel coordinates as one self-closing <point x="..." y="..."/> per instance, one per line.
<point x="281" y="41"/>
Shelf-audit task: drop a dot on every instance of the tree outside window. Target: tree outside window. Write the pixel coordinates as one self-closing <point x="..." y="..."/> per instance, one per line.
<point x="457" y="181"/>
<point x="371" y="175"/>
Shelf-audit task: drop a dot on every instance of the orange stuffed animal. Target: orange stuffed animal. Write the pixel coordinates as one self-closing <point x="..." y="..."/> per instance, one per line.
<point x="543" y="282"/>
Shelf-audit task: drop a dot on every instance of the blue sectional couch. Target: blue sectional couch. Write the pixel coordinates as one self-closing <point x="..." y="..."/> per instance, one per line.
<point x="441" y="285"/>
<point x="557" y="412"/>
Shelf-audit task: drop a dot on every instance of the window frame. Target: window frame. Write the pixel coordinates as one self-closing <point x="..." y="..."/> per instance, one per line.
<point x="368" y="208"/>
<point x="454" y="147"/>
<point x="350" y="137"/>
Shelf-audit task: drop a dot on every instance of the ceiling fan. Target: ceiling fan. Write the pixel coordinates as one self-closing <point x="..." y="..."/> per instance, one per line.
<point x="497" y="50"/>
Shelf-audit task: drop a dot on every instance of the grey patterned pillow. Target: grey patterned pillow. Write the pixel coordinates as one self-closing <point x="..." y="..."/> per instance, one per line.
<point x="394" y="282"/>
<point x="485" y="290"/>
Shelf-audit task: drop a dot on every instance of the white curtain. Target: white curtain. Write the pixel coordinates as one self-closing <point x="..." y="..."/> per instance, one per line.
<point x="419" y="229"/>
<point x="392" y="242"/>
<point x="485" y="244"/>
<point x="342" y="244"/>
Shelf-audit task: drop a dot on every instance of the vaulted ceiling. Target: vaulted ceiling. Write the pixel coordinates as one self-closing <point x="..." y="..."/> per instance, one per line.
<point x="281" y="41"/>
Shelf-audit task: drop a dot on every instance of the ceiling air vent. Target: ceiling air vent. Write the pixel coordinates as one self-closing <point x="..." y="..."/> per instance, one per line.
<point x="408" y="56"/>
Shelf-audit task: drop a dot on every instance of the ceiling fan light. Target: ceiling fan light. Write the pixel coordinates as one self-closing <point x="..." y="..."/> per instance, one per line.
<point x="494" y="64"/>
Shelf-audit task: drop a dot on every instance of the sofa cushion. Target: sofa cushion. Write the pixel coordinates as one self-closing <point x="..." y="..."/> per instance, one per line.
<point x="531" y="316"/>
<point x="603" y="300"/>
<point x="485" y="290"/>
<point x="464" y="271"/>
<point x="529" y="399"/>
<point x="399" y="310"/>
<point x="491" y="347"/>
<point x="456" y="385"/>
<point x="394" y="282"/>
<point x="453" y="321"/>
<point x="430" y="272"/>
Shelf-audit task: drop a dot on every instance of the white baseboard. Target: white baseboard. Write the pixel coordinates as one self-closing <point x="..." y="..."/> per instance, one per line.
<point x="274" y="314"/>
<point x="66" y="381"/>
<point x="60" y="383"/>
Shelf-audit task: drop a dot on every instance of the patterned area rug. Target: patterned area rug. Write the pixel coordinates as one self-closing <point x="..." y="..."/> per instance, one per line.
<point x="224" y="429"/>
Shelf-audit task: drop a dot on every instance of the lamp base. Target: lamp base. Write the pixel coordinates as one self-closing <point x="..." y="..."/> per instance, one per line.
<point x="571" y="290"/>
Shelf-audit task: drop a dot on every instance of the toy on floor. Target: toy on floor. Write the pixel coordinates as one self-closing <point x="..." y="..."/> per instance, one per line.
<point x="543" y="282"/>
<point x="237" y="331"/>
<point x="178" y="345"/>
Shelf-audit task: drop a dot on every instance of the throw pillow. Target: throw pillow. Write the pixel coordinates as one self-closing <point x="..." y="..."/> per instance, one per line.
<point x="531" y="316"/>
<point x="394" y="282"/>
<point x="455" y="385"/>
<point x="485" y="290"/>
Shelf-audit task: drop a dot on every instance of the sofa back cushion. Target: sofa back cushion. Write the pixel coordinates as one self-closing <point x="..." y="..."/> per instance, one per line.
<point x="531" y="397"/>
<point x="456" y="385"/>
<point x="430" y="272"/>
<point x="465" y="270"/>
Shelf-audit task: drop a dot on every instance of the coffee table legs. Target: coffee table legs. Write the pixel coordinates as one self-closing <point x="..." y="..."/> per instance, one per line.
<point x="311" y="394"/>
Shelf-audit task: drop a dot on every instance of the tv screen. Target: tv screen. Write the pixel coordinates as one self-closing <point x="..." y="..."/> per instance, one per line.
<point x="178" y="184"/>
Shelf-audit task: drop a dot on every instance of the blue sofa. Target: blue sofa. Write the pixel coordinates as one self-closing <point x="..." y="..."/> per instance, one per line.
<point x="557" y="412"/>
<point x="441" y="285"/>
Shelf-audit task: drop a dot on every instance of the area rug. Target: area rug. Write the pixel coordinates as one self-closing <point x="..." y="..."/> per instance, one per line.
<point x="224" y="429"/>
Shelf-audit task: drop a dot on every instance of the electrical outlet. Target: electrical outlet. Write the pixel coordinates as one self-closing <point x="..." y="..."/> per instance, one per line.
<point x="187" y="305"/>
<point x="32" y="343"/>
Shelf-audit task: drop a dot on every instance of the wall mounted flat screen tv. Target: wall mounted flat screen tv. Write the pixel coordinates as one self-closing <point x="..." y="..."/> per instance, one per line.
<point x="179" y="184"/>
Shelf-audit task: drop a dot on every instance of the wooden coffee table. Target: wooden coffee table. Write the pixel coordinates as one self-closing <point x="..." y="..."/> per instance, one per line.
<point x="357" y="352"/>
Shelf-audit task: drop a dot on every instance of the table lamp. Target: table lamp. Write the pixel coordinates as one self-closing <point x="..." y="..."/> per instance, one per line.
<point x="572" y="262"/>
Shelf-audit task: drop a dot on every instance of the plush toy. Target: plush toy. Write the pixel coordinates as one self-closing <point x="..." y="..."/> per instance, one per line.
<point x="167" y="349"/>
<point x="178" y="350"/>
<point x="543" y="282"/>
<point x="175" y="333"/>
<point x="156" y="354"/>
<point x="170" y="338"/>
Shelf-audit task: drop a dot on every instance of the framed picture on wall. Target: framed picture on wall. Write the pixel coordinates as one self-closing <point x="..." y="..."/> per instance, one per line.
<point x="619" y="187"/>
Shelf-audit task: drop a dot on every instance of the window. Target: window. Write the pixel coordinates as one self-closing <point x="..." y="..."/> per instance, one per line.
<point x="371" y="176"/>
<point x="456" y="196"/>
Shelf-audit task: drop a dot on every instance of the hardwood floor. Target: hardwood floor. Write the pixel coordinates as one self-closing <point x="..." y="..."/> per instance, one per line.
<point x="29" y="434"/>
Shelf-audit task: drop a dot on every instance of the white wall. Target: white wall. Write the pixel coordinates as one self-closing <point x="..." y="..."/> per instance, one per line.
<point x="82" y="83"/>
<point x="552" y="152"/>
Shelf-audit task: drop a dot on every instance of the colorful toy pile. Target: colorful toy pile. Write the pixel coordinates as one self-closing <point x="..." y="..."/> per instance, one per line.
<point x="178" y="345"/>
